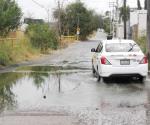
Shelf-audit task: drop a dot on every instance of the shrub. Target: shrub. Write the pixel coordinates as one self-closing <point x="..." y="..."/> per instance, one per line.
<point x="142" y="43"/>
<point x="42" y="36"/>
<point x="21" y="50"/>
<point x="5" y="50"/>
<point x="4" y="58"/>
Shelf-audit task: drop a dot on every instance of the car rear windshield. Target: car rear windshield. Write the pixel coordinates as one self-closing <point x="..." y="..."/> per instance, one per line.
<point x="122" y="47"/>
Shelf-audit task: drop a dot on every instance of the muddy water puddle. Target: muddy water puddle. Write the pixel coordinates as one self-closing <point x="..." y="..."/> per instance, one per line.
<point x="37" y="88"/>
<point x="50" y="68"/>
<point x="28" y="87"/>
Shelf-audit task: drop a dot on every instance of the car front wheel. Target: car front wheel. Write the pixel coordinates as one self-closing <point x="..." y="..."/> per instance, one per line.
<point x="93" y="70"/>
<point x="98" y="77"/>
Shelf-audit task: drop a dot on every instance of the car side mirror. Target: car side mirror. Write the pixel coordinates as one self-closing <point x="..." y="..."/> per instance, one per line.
<point x="93" y="50"/>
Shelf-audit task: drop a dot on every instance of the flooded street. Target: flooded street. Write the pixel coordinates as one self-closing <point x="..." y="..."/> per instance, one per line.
<point x="61" y="88"/>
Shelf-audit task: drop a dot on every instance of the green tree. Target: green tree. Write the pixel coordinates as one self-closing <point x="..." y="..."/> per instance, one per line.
<point x="106" y="25"/>
<point x="76" y="15"/>
<point x="125" y="13"/>
<point x="106" y="22"/>
<point x="43" y="37"/>
<point x="10" y="15"/>
<point x="63" y="20"/>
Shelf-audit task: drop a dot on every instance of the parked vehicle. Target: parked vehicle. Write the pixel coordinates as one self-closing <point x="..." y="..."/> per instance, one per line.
<point x="119" y="58"/>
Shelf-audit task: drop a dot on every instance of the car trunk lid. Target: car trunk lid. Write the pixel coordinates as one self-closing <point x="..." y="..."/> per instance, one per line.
<point x="124" y="59"/>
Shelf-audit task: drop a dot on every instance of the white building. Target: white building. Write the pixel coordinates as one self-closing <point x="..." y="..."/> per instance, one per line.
<point x="138" y="19"/>
<point x="136" y="26"/>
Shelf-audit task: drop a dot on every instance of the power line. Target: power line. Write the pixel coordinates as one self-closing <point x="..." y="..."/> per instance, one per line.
<point x="38" y="4"/>
<point x="46" y="9"/>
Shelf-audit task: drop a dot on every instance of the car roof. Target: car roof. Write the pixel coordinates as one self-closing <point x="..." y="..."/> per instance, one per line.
<point x="118" y="41"/>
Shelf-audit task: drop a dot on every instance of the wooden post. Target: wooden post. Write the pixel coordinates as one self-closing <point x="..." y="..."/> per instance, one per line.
<point x="12" y="43"/>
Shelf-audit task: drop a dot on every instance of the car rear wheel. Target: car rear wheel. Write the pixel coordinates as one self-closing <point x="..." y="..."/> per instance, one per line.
<point x="106" y="79"/>
<point x="142" y="79"/>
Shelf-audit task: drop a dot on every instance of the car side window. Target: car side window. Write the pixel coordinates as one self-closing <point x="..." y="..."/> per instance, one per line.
<point x="99" y="48"/>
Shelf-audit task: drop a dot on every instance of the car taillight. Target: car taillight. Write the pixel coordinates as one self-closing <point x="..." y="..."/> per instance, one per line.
<point x="144" y="60"/>
<point x="105" y="61"/>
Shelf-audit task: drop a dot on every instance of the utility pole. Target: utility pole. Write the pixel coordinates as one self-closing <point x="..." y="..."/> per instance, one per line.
<point x="148" y="28"/>
<point x="59" y="20"/>
<point x="117" y="18"/>
<point x="78" y="26"/>
<point x="125" y="19"/>
<point x="112" y="5"/>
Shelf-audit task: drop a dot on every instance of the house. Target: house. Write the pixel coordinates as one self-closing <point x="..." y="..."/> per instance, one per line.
<point x="138" y="23"/>
<point x="33" y="21"/>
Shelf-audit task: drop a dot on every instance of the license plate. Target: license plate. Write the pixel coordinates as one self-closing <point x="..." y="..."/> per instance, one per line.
<point x="125" y="62"/>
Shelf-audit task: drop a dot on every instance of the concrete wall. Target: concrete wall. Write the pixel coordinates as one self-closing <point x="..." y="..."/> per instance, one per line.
<point x="134" y="32"/>
<point x="142" y="23"/>
<point x="120" y="31"/>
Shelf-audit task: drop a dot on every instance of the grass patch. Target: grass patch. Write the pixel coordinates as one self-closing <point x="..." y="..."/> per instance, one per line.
<point x="20" y="50"/>
<point x="142" y="43"/>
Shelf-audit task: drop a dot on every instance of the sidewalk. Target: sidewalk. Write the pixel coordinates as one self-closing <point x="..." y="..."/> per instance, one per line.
<point x="37" y="120"/>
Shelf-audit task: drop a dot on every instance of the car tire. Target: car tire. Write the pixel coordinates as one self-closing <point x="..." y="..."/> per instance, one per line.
<point x="105" y="79"/>
<point x="93" y="71"/>
<point x="142" y="79"/>
<point x="98" y="77"/>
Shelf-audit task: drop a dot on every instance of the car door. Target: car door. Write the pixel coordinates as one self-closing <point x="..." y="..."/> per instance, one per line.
<point x="98" y="55"/>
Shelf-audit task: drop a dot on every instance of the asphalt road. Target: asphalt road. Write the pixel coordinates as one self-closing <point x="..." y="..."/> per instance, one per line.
<point x="59" y="89"/>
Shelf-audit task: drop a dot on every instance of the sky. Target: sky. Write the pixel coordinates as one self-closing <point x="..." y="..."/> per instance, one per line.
<point x="30" y="9"/>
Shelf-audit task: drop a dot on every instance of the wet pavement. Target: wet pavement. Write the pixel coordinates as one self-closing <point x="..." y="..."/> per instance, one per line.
<point x="59" y="89"/>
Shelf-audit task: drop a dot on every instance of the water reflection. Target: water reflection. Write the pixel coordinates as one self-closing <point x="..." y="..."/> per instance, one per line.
<point x="49" y="68"/>
<point x="42" y="82"/>
<point x="7" y="97"/>
<point x="38" y="78"/>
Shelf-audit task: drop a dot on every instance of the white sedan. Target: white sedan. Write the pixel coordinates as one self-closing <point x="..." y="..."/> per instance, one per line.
<point x="119" y="58"/>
